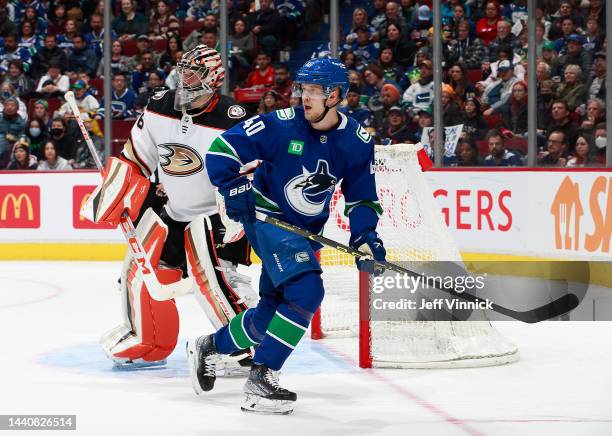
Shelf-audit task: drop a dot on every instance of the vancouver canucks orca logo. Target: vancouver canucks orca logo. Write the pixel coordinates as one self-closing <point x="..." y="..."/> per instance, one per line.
<point x="308" y="192"/>
<point x="179" y="160"/>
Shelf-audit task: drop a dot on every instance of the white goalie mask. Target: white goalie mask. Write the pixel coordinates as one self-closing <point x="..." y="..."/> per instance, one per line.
<point x="200" y="73"/>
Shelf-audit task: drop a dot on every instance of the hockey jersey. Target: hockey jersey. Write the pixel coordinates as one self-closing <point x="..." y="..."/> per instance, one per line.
<point x="299" y="167"/>
<point x="175" y="144"/>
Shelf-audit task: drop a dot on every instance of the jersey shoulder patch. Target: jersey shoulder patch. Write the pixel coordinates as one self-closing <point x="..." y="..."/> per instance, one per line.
<point x="236" y="112"/>
<point x="162" y="102"/>
<point x="285" y="114"/>
<point x="363" y="134"/>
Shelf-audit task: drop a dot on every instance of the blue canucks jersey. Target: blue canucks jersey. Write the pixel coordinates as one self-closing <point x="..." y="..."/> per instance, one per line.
<point x="299" y="167"/>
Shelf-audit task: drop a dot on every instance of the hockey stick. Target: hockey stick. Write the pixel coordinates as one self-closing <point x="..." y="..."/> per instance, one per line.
<point x="553" y="309"/>
<point x="157" y="290"/>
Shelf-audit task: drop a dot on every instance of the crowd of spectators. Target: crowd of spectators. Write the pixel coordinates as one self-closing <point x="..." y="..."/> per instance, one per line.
<point x="49" y="47"/>
<point x="389" y="50"/>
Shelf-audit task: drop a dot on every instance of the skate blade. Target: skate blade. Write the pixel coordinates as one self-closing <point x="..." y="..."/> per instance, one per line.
<point x="192" y="362"/>
<point x="264" y="406"/>
<point x="136" y="365"/>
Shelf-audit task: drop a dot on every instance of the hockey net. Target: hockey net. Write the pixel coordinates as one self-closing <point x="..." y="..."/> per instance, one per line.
<point x="412" y="229"/>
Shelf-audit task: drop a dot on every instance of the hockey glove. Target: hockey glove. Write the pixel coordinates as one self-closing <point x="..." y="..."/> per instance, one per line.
<point x="239" y="200"/>
<point x="370" y="244"/>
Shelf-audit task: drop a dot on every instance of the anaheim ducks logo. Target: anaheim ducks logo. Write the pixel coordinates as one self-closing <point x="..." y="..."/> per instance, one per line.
<point x="179" y="160"/>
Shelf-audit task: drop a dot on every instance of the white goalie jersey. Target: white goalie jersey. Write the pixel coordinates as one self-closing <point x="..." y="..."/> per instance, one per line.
<point x="176" y="144"/>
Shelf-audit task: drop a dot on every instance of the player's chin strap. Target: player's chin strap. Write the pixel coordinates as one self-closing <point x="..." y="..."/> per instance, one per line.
<point x="326" y="110"/>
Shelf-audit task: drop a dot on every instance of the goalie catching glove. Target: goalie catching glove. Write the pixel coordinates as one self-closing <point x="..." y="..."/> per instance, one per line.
<point x="239" y="200"/>
<point x="370" y="244"/>
<point x="122" y="188"/>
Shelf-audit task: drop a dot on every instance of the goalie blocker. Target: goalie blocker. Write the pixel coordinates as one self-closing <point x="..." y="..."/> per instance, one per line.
<point x="149" y="329"/>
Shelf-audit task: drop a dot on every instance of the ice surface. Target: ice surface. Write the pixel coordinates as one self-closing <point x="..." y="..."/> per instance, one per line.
<point x="52" y="314"/>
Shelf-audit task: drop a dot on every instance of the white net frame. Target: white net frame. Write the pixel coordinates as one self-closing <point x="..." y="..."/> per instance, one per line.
<point x="411" y="228"/>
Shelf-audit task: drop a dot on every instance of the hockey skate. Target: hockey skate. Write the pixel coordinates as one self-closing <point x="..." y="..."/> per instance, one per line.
<point x="138" y="364"/>
<point x="202" y="357"/>
<point x="264" y="394"/>
<point x="122" y="337"/>
<point x="237" y="364"/>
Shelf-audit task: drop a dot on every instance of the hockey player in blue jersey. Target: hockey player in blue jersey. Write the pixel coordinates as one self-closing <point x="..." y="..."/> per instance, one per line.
<point x="302" y="153"/>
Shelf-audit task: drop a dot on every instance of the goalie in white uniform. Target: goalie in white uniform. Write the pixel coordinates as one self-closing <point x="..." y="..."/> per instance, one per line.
<point x="188" y="237"/>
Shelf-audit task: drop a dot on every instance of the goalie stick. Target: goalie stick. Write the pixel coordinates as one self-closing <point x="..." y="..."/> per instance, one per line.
<point x="553" y="309"/>
<point x="157" y="290"/>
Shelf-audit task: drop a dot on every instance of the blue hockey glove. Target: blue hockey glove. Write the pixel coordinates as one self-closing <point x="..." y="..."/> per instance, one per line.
<point x="239" y="200"/>
<point x="370" y="244"/>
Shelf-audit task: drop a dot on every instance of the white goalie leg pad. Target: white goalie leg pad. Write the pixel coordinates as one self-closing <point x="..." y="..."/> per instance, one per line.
<point x="221" y="291"/>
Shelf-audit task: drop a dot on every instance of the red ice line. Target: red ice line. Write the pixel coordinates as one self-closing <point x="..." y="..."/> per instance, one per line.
<point x="57" y="290"/>
<point x="403" y="391"/>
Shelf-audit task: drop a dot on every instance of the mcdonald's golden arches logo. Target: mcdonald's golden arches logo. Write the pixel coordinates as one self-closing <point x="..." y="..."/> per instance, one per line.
<point x="20" y="207"/>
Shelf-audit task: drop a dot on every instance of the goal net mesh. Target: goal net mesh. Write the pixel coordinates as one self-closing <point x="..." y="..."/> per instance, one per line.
<point x="412" y="229"/>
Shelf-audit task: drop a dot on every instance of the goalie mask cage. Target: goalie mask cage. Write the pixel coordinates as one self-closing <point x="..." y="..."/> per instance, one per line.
<point x="412" y="229"/>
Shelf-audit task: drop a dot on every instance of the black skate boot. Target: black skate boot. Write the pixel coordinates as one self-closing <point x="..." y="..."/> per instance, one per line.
<point x="264" y="394"/>
<point x="202" y="357"/>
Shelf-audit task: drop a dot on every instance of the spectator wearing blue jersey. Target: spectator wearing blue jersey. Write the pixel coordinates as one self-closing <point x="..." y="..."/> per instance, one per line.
<point x="365" y="50"/>
<point x="141" y="75"/>
<point x="95" y="37"/>
<point x="27" y="38"/>
<point x="22" y="5"/>
<point x="354" y="108"/>
<point x="82" y="58"/>
<point x="123" y="99"/>
<point x="498" y="155"/>
<point x="515" y="11"/>
<point x="64" y="39"/>
<point x="197" y="10"/>
<point x="39" y="23"/>
<point x="568" y="28"/>
<point x="377" y="12"/>
<point x="11" y="51"/>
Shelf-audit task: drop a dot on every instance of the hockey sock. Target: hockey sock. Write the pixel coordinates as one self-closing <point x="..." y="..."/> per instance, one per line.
<point x="302" y="298"/>
<point x="234" y="336"/>
<point x="247" y="328"/>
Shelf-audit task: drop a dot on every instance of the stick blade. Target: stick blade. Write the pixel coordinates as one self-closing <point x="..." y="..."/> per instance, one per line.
<point x="556" y="308"/>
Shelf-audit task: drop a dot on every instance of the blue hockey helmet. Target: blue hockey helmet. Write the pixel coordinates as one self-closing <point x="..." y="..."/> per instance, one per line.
<point x="329" y="73"/>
